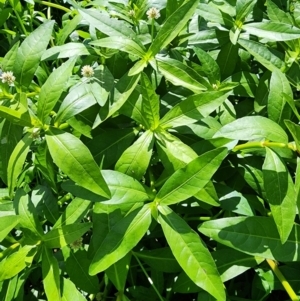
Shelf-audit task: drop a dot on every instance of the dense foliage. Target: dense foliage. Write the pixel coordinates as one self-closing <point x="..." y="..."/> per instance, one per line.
<point x="149" y="150"/>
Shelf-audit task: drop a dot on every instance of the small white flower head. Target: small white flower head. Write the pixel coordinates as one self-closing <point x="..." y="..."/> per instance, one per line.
<point x="87" y="71"/>
<point x="8" y="77"/>
<point x="131" y="13"/>
<point x="153" y="13"/>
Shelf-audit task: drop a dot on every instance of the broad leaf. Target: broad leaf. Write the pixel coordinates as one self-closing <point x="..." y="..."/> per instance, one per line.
<point x="280" y="193"/>
<point x="121" y="238"/>
<point x="70" y="292"/>
<point x="191" y="253"/>
<point x="75" y="160"/>
<point x="187" y="181"/>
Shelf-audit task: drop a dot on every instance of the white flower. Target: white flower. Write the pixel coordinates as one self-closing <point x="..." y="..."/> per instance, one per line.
<point x="153" y="13"/>
<point x="131" y="13"/>
<point x="87" y="71"/>
<point x="8" y="77"/>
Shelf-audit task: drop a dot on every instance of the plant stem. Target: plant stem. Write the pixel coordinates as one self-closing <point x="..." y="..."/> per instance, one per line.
<point x="67" y="10"/>
<point x="152" y="30"/>
<point x="149" y="279"/>
<point x="21" y="23"/>
<point x="261" y="144"/>
<point x="282" y="279"/>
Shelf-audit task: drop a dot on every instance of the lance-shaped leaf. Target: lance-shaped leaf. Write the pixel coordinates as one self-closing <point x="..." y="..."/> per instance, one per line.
<point x="180" y="74"/>
<point x="62" y="236"/>
<point x="297" y="184"/>
<point x="14" y="263"/>
<point x="79" y="99"/>
<point x="77" y="267"/>
<point x="193" y="108"/>
<point x="122" y="237"/>
<point x="244" y="8"/>
<point x="52" y="89"/>
<point x="76" y="161"/>
<point x="187" y="181"/>
<point x="7" y="64"/>
<point x="172" y="27"/>
<point x="254" y="235"/>
<point x="191" y="253"/>
<point x="7" y="223"/>
<point x="295" y="131"/>
<point x="51" y="278"/>
<point x="70" y="291"/>
<point x="273" y="31"/>
<point x="30" y="53"/>
<point x="10" y="135"/>
<point x="272" y="60"/>
<point x="277" y="15"/>
<point x="16" y="162"/>
<point x="278" y="109"/>
<point x="135" y="160"/>
<point x="253" y="128"/>
<point x="121" y="43"/>
<point x="27" y="213"/>
<point x="121" y="92"/>
<point x="150" y="103"/>
<point x="280" y="193"/>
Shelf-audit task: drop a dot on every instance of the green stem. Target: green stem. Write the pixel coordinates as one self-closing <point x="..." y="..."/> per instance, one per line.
<point x="64" y="199"/>
<point x="149" y="279"/>
<point x="152" y="30"/>
<point x="261" y="144"/>
<point x="67" y="10"/>
<point x="282" y="280"/>
<point x="21" y="23"/>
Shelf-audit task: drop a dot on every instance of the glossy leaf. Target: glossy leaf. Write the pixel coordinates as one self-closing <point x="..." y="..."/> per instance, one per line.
<point x="75" y="160"/>
<point x="187" y="181"/>
<point x="193" y="108"/>
<point x="62" y="236"/>
<point x="254" y="235"/>
<point x="280" y="193"/>
<point x="7" y="223"/>
<point x="135" y="160"/>
<point x="16" y="162"/>
<point x="121" y="238"/>
<point x="8" y="61"/>
<point x="277" y="15"/>
<point x="295" y="131"/>
<point x="172" y="27"/>
<point x="70" y="292"/>
<point x="51" y="278"/>
<point x="30" y="53"/>
<point x="253" y="128"/>
<point x="53" y="88"/>
<point x="244" y="8"/>
<point x="191" y="253"/>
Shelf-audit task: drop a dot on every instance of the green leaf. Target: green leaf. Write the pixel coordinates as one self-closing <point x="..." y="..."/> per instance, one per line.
<point x="191" y="253"/>
<point x="7" y="64"/>
<point x="14" y="263"/>
<point x="74" y="212"/>
<point x="172" y="27"/>
<point x="10" y="135"/>
<point x="280" y="193"/>
<point x="66" y="51"/>
<point x="7" y="223"/>
<point x="150" y="103"/>
<point x="77" y="266"/>
<point x="62" y="236"/>
<point x="180" y="74"/>
<point x="273" y="31"/>
<point x="208" y="65"/>
<point x="16" y="162"/>
<point x="80" y="98"/>
<point x="295" y="131"/>
<point x="51" y="280"/>
<point x="27" y="213"/>
<point x="244" y="8"/>
<point x="121" y="238"/>
<point x="70" y="292"/>
<point x="193" y="108"/>
<point x="75" y="160"/>
<point x="270" y="58"/>
<point x="277" y="15"/>
<point x="135" y="160"/>
<point x="121" y="43"/>
<point x="117" y="273"/>
<point x="253" y="128"/>
<point x="30" y="53"/>
<point x="254" y="235"/>
<point x="291" y="103"/>
<point x="187" y="181"/>
<point x="278" y="110"/>
<point x="53" y="88"/>
<point x="68" y="28"/>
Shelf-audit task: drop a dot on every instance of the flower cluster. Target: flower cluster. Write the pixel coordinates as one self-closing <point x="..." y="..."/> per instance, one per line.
<point x="87" y="71"/>
<point x="8" y="77"/>
<point x="153" y="13"/>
